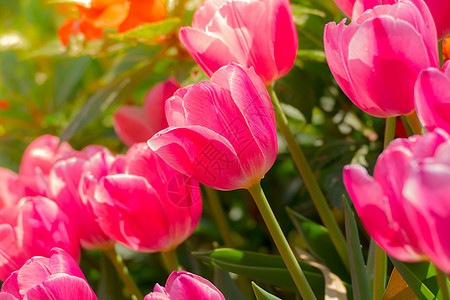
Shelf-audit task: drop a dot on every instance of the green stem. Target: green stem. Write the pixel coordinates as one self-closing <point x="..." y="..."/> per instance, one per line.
<point x="219" y="216"/>
<point x="379" y="278"/>
<point x="124" y="274"/>
<point x="310" y="182"/>
<point x="442" y="280"/>
<point x="441" y="56"/>
<point x="171" y="260"/>
<point x="414" y="123"/>
<point x="380" y="265"/>
<point x="281" y="242"/>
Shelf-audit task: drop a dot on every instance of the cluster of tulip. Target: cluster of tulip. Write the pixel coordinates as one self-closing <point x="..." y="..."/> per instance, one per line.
<point x="222" y="133"/>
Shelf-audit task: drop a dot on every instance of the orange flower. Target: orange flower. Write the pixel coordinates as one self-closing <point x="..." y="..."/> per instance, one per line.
<point x="446" y="48"/>
<point x="121" y="15"/>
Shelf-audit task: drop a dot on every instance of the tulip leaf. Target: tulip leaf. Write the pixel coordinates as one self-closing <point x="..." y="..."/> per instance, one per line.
<point x="110" y="286"/>
<point x="421" y="278"/>
<point x="266" y="268"/>
<point x="226" y="285"/>
<point x="262" y="294"/>
<point x="149" y="31"/>
<point x="319" y="243"/>
<point x="361" y="289"/>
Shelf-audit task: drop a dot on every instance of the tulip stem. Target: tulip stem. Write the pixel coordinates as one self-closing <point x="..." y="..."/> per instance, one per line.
<point x="281" y="242"/>
<point x="443" y="283"/>
<point x="441" y="54"/>
<point x="380" y="265"/>
<point x="414" y="123"/>
<point x="170" y="260"/>
<point x="124" y="274"/>
<point x="219" y="216"/>
<point x="310" y="181"/>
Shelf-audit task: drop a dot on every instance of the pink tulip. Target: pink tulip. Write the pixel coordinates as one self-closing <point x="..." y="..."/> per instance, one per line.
<point x="12" y="188"/>
<point x="150" y="207"/>
<point x="64" y="182"/>
<point x="259" y="34"/>
<point x="440" y="10"/>
<point x="134" y="124"/>
<point x="182" y="285"/>
<point x="373" y="59"/>
<point x="432" y="98"/>
<point x="394" y="205"/>
<point x="221" y="132"/>
<point x="55" y="278"/>
<point x="32" y="228"/>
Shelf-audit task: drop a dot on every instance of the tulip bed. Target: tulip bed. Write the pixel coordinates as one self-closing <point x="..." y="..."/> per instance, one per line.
<point x="224" y="149"/>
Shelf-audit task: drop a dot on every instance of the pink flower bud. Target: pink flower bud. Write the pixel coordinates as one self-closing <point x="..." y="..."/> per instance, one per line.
<point x="259" y="34"/>
<point x="221" y="132"/>
<point x="32" y="228"/>
<point x="432" y="98"/>
<point x="149" y="207"/>
<point x="58" y="276"/>
<point x="373" y="61"/>
<point x="405" y="206"/>
<point x="182" y="285"/>
<point x="134" y="124"/>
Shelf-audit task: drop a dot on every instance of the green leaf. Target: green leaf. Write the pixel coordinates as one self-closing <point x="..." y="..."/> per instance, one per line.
<point x="262" y="294"/>
<point x="226" y="285"/>
<point x="149" y="31"/>
<point x="360" y="284"/>
<point x="303" y="10"/>
<point x="266" y="268"/>
<point x="66" y="81"/>
<point x="313" y="55"/>
<point x="421" y="278"/>
<point x="319" y="243"/>
<point x="110" y="286"/>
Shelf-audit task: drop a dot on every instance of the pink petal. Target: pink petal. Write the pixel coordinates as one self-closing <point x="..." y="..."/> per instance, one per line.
<point x="373" y="209"/>
<point x="185" y="285"/>
<point x="61" y="287"/>
<point x="11" y="286"/>
<point x="39" y="154"/>
<point x="11" y="188"/>
<point x="432" y="99"/>
<point x="62" y="262"/>
<point x="201" y="153"/>
<point x="131" y="125"/>
<point x="11" y="255"/>
<point x="32" y="273"/>
<point x="5" y="296"/>
<point x="378" y="59"/>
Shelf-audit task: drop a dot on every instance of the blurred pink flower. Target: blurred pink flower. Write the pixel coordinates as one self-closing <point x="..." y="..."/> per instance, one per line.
<point x="64" y="182"/>
<point x="395" y="204"/>
<point x="259" y="34"/>
<point x="134" y="124"/>
<point x="440" y="10"/>
<point x="31" y="228"/>
<point x="56" y="278"/>
<point x="432" y="97"/>
<point x="182" y="285"/>
<point x="375" y="51"/>
<point x="221" y="132"/>
<point x="149" y="207"/>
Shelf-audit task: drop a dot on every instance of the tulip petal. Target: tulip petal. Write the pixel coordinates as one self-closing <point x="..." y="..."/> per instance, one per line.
<point x="377" y="58"/>
<point x="373" y="209"/>
<point x="131" y="125"/>
<point x="32" y="273"/>
<point x="184" y="285"/>
<point x="62" y="262"/>
<point x="208" y="50"/>
<point x="61" y="286"/>
<point x="11" y="188"/>
<point x="201" y="153"/>
<point x="432" y="99"/>
<point x="11" y="286"/>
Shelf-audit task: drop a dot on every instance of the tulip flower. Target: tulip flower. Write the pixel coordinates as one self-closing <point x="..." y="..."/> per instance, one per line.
<point x="232" y="31"/>
<point x="56" y="278"/>
<point x="32" y="228"/>
<point x="432" y="98"/>
<point x="235" y="145"/>
<point x="440" y="10"/>
<point x="122" y="15"/>
<point x="401" y="188"/>
<point x="64" y="182"/>
<point x="182" y="285"/>
<point x="134" y="124"/>
<point x="149" y="207"/>
<point x="375" y="51"/>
